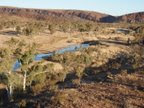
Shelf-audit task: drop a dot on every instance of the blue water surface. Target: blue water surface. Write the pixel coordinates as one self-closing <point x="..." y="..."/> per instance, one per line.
<point x="39" y="57"/>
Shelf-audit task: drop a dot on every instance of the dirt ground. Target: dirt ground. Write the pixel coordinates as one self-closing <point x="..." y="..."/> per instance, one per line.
<point x="126" y="91"/>
<point x="51" y="42"/>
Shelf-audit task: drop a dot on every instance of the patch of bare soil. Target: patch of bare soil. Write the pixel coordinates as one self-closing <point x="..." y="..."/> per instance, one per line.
<point x="95" y="95"/>
<point x="50" y="42"/>
<point x="104" y="95"/>
<point x="120" y="91"/>
<point x="115" y="90"/>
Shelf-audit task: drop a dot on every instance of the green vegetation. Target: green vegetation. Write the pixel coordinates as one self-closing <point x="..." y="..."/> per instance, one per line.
<point x="29" y="70"/>
<point x="51" y="29"/>
<point x="36" y="77"/>
<point x="6" y="67"/>
<point x="99" y="73"/>
<point x="32" y="27"/>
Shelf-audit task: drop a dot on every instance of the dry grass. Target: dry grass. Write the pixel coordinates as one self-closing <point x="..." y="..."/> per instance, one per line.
<point x="100" y="95"/>
<point x="50" y="42"/>
<point x="124" y="90"/>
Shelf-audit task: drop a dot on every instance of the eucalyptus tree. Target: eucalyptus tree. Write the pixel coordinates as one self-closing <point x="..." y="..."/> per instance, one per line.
<point x="37" y="69"/>
<point x="24" y="53"/>
<point x="7" y="61"/>
<point x="25" y="56"/>
<point x="6" y="69"/>
<point x="29" y="67"/>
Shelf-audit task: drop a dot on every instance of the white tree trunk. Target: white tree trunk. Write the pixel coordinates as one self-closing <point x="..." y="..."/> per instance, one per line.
<point x="24" y="81"/>
<point x="10" y="91"/>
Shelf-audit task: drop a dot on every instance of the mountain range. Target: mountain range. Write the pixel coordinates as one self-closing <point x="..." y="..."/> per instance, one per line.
<point x="43" y="14"/>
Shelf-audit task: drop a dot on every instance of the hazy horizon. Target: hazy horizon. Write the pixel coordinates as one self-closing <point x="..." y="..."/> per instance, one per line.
<point x="112" y="7"/>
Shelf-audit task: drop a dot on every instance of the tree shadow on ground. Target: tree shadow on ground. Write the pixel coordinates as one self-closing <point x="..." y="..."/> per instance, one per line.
<point x="9" y="33"/>
<point x="68" y="82"/>
<point x="119" y="65"/>
<point x="107" y="42"/>
<point x="93" y="42"/>
<point x="122" y="62"/>
<point x="29" y="100"/>
<point x="116" y="42"/>
<point x="4" y="99"/>
<point x="112" y="41"/>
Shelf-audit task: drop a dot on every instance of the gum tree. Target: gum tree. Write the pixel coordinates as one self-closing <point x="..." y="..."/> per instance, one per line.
<point x="6" y="69"/>
<point x="25" y="56"/>
<point x="7" y="61"/>
<point x="29" y="67"/>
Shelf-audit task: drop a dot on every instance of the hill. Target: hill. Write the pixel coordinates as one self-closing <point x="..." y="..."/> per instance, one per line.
<point x="133" y="17"/>
<point x="43" y="14"/>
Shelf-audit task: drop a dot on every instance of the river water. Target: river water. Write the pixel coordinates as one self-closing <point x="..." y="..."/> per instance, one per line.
<point x="71" y="48"/>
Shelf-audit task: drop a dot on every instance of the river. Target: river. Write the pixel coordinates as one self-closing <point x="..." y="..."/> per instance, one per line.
<point x="71" y="48"/>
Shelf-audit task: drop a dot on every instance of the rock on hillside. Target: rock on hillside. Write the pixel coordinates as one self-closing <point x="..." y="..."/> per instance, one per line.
<point x="133" y="17"/>
<point x="43" y="14"/>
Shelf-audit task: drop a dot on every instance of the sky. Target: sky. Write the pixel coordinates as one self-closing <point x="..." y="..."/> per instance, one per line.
<point x="112" y="7"/>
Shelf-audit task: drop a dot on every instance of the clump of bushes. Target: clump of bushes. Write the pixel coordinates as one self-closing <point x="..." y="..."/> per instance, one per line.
<point x="52" y="28"/>
<point x="79" y="71"/>
<point x="59" y="98"/>
<point x="37" y="88"/>
<point x="71" y="58"/>
<point x="27" y="31"/>
<point x="22" y="103"/>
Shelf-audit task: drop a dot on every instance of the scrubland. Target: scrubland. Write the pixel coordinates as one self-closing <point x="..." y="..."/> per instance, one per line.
<point x="107" y="74"/>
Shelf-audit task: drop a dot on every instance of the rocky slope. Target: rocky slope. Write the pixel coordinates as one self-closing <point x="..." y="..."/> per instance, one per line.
<point x="42" y="14"/>
<point x="45" y="14"/>
<point x="133" y="17"/>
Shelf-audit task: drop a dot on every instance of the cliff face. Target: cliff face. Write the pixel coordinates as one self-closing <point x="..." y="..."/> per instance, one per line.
<point x="44" y="14"/>
<point x="74" y="14"/>
<point x="134" y="17"/>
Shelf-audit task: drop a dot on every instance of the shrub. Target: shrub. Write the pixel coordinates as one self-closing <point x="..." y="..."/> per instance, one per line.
<point x="37" y="88"/>
<point x="76" y="82"/>
<point x="59" y="98"/>
<point x="83" y="59"/>
<point x="1" y="27"/>
<point x="3" y="78"/>
<point x="22" y="103"/>
<point x="81" y="28"/>
<point x="53" y="78"/>
<point x="53" y="88"/>
<point x="39" y="79"/>
<point x="18" y="29"/>
<point x="27" y="31"/>
<point x="52" y="29"/>
<point x="79" y="71"/>
<point x="89" y="27"/>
